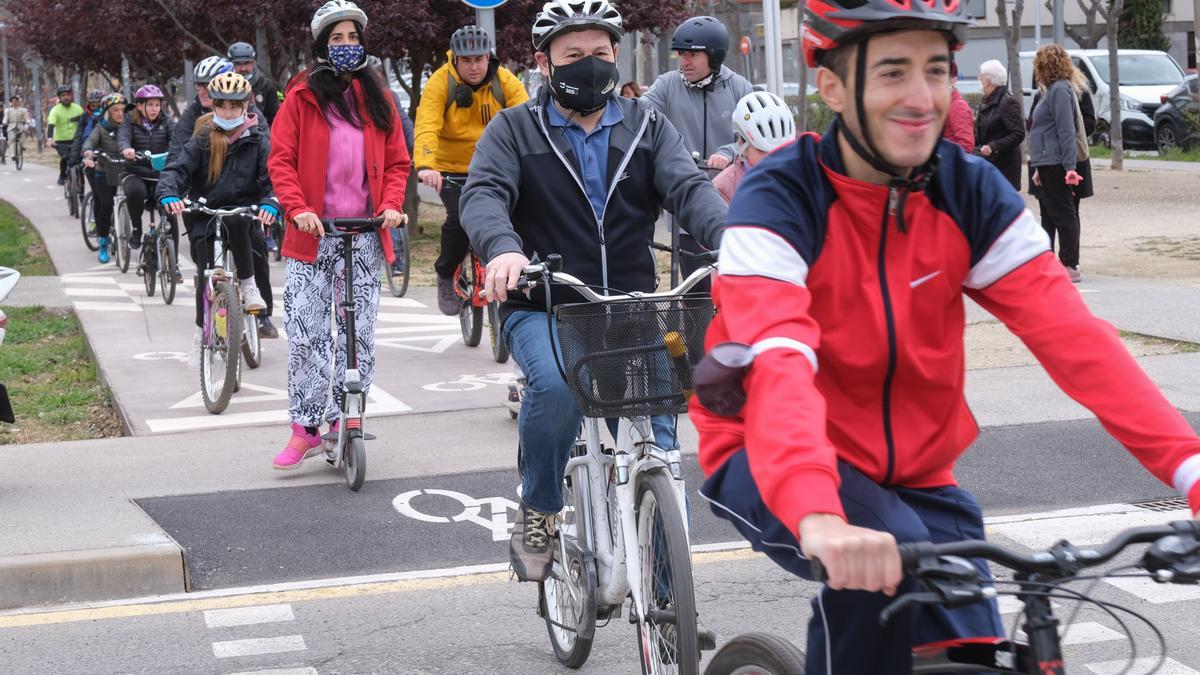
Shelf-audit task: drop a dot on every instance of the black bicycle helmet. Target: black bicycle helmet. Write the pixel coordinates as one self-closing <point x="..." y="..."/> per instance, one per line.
<point x="63" y="89"/>
<point x="470" y="41"/>
<point x="703" y="34"/>
<point x="241" y="52"/>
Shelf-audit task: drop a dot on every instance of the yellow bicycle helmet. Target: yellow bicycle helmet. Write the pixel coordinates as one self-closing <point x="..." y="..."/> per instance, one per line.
<point x="229" y="87"/>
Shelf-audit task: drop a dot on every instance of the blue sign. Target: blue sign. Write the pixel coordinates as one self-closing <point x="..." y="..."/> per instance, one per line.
<point x="485" y="4"/>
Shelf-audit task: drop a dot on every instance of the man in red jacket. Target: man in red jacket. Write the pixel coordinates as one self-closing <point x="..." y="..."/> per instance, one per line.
<point x="960" y="121"/>
<point x="843" y="268"/>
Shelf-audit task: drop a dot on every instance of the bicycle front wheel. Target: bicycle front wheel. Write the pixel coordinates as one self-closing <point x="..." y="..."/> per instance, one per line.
<point x="668" y="634"/>
<point x="252" y="346"/>
<point x="166" y="268"/>
<point x="499" y="349"/>
<point x="69" y="193"/>
<point x="20" y="156"/>
<point x="87" y="221"/>
<point x="470" y="317"/>
<point x="124" y="229"/>
<point x="398" y="275"/>
<point x="567" y="598"/>
<point x="219" y="358"/>
<point x="757" y="653"/>
<point x="148" y="263"/>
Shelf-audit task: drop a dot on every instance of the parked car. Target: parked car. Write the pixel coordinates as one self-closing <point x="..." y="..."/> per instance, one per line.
<point x="1177" y="121"/>
<point x="1146" y="75"/>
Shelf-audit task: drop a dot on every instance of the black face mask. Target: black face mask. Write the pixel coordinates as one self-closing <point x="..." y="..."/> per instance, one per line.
<point x="584" y="86"/>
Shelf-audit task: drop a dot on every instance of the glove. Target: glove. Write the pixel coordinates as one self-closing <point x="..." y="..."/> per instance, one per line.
<point x="269" y="209"/>
<point x="169" y="200"/>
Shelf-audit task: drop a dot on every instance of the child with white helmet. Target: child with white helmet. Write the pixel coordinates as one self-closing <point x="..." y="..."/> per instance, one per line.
<point x="761" y="123"/>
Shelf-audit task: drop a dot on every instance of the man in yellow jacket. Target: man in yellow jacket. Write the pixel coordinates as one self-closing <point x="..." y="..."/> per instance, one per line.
<point x="457" y="103"/>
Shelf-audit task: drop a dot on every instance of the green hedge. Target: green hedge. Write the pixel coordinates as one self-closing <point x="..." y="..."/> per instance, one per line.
<point x="820" y="116"/>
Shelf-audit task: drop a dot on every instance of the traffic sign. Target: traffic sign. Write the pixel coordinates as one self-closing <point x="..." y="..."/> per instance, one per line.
<point x="745" y="44"/>
<point x="484" y="4"/>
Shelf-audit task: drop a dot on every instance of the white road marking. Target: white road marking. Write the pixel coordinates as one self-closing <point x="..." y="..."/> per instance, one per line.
<point x="439" y="343"/>
<point x="401" y="302"/>
<point x="381" y="403"/>
<point x="1141" y="667"/>
<point x="419" y="318"/>
<point x="196" y="400"/>
<point x="96" y="292"/>
<point x="279" y="671"/>
<point x="254" y="646"/>
<point x="1085" y="526"/>
<point x="108" y="306"/>
<point x="1152" y="591"/>
<point x="246" y="616"/>
<point x="105" y="280"/>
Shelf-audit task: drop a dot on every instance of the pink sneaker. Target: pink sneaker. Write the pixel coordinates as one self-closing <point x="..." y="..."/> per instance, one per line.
<point x="300" y="447"/>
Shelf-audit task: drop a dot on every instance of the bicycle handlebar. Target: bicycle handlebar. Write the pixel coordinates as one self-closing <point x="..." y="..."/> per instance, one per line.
<point x="342" y="227"/>
<point x="226" y="212"/>
<point x="536" y="273"/>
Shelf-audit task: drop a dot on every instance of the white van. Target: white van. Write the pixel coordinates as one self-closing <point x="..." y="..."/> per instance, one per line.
<point x="1145" y="76"/>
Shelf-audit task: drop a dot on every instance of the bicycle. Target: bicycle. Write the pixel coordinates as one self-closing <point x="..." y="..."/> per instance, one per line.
<point x="952" y="580"/>
<point x="226" y="335"/>
<point x="118" y="246"/>
<point x="87" y="215"/>
<point x="18" y="151"/>
<point x="72" y="187"/>
<point x="398" y="273"/>
<point x="468" y="285"/>
<point x="159" y="258"/>
<point x="346" y="448"/>
<point x="624" y="530"/>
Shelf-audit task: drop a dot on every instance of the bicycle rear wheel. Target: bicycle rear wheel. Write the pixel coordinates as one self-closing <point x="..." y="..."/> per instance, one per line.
<point x="470" y="317"/>
<point x="124" y="230"/>
<point x="567" y="599"/>
<point x="69" y="193"/>
<point x="148" y="264"/>
<point x="20" y="155"/>
<point x="355" y="461"/>
<point x="757" y="653"/>
<point x="87" y="221"/>
<point x="398" y="279"/>
<point x="166" y="268"/>
<point x="220" y="353"/>
<point x="668" y="635"/>
<point x="499" y="349"/>
<point x="251" y="345"/>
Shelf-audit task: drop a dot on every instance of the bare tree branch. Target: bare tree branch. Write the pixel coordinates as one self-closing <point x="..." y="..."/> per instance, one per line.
<point x="179" y="24"/>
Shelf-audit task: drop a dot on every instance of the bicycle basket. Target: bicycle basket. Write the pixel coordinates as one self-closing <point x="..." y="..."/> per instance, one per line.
<point x="629" y="358"/>
<point x="112" y="172"/>
<point x="158" y="162"/>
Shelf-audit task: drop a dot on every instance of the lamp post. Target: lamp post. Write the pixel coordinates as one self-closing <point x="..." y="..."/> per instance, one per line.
<point x="4" y="48"/>
<point x="34" y="62"/>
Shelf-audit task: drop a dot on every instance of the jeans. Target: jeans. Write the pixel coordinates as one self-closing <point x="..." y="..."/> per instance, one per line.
<point x="845" y="624"/>
<point x="550" y="420"/>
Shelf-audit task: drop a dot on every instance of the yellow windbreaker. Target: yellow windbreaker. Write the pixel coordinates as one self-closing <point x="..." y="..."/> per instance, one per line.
<point x="445" y="137"/>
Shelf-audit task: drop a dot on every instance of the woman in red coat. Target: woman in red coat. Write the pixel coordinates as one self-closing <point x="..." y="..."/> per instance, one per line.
<point x="337" y="151"/>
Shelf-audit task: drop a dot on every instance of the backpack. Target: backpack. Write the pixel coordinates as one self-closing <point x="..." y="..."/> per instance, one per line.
<point x="497" y="91"/>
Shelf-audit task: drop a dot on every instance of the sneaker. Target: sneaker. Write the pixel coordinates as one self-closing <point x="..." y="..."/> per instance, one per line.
<point x="193" y="357"/>
<point x="1073" y="273"/>
<point x="271" y="246"/>
<point x="300" y="447"/>
<point x="252" y="300"/>
<point x="103" y="255"/>
<point x="62" y="180"/>
<point x="178" y="277"/>
<point x="266" y="329"/>
<point x="448" y="300"/>
<point x="530" y="549"/>
<point x="135" y="240"/>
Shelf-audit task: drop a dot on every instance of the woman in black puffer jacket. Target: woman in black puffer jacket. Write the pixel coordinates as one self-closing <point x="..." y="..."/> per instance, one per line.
<point x="146" y="129"/>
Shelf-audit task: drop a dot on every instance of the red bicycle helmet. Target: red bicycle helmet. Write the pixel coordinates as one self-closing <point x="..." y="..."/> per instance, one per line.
<point x="831" y="23"/>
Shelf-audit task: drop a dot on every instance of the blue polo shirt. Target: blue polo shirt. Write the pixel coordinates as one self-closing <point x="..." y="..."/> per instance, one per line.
<point x="591" y="149"/>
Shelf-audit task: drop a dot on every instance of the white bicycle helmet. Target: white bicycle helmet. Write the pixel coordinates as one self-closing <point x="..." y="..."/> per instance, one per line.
<point x="210" y="67"/>
<point x="563" y="16"/>
<point x="763" y="120"/>
<point x="335" y="11"/>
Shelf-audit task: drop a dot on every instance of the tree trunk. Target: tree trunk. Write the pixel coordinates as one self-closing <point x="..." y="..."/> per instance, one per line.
<point x="262" y="47"/>
<point x="1114" y="88"/>
<point x="1012" y="41"/>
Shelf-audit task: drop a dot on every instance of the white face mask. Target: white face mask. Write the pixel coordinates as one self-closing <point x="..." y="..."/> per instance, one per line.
<point x="229" y="125"/>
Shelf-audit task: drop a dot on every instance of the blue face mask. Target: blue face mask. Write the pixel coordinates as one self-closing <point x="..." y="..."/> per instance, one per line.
<point x="347" y="58"/>
<point x="229" y="125"/>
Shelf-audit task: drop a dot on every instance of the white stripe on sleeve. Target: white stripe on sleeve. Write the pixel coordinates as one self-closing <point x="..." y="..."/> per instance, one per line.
<point x="1187" y="475"/>
<point x="1022" y="241"/>
<point x="785" y="343"/>
<point x="755" y="252"/>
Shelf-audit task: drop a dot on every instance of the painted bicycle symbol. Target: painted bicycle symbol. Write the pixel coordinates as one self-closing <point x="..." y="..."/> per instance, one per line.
<point x="473" y="382"/>
<point x="497" y="520"/>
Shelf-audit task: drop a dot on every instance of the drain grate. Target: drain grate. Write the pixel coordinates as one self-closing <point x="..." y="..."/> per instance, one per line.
<point x="1163" y="505"/>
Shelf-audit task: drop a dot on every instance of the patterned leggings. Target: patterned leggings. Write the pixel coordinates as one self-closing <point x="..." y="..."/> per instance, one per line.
<point x="309" y="292"/>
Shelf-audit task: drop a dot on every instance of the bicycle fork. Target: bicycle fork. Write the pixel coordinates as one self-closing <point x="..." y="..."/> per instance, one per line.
<point x="353" y="397"/>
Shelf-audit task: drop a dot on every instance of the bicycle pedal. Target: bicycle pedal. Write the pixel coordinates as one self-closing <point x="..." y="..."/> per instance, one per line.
<point x="368" y="437"/>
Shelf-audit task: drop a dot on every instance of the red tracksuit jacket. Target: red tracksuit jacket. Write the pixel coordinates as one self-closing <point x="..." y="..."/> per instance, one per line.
<point x="859" y="326"/>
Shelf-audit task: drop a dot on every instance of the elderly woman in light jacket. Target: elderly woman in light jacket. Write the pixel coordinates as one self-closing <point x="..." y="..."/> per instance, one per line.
<point x="1000" y="124"/>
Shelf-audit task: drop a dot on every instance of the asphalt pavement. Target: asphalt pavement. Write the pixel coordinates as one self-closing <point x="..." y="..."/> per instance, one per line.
<point x="188" y="505"/>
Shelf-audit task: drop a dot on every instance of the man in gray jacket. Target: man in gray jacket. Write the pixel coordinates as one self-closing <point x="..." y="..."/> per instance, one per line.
<point x="584" y="173"/>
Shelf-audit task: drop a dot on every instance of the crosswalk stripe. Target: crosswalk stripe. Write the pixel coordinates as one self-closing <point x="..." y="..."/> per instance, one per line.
<point x="108" y="306"/>
<point x="245" y="616"/>
<point x="90" y="279"/>
<point x="254" y="646"/>
<point x="95" y="292"/>
<point x="278" y="671"/>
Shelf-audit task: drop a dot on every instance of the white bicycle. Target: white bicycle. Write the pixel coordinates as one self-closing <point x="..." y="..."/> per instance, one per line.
<point x="624" y="532"/>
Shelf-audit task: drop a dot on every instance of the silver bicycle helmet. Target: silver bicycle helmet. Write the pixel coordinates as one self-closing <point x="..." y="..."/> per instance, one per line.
<point x="564" y="16"/>
<point x="335" y="11"/>
<point x="763" y="120"/>
<point x="470" y="41"/>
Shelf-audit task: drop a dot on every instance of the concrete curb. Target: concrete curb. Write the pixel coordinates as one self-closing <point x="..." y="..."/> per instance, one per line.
<point x="97" y="574"/>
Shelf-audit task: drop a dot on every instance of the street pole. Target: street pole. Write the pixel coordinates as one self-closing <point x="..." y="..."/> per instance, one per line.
<point x="35" y="68"/>
<point x="1059" y="27"/>
<point x="1037" y="24"/>
<point x="1196" y="32"/>
<point x="486" y="19"/>
<point x="772" y="37"/>
<point x="7" y="88"/>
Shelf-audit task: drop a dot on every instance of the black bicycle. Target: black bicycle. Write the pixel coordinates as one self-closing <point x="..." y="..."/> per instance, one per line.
<point x="950" y="579"/>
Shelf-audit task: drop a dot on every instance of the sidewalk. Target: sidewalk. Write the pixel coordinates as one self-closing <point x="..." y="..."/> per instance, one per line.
<point x="71" y="531"/>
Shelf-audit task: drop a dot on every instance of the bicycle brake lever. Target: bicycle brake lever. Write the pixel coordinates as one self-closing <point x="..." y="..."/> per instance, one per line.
<point x="906" y="601"/>
<point x="1175" y="558"/>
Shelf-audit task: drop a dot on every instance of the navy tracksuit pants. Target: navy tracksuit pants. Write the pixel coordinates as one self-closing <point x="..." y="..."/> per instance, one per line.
<point x="844" y="635"/>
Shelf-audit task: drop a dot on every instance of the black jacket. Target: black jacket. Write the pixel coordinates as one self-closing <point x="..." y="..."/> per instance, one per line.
<point x="1000" y="125"/>
<point x="156" y="139"/>
<point x="524" y="193"/>
<point x="187" y="124"/>
<point x="266" y="94"/>
<point x="244" y="180"/>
